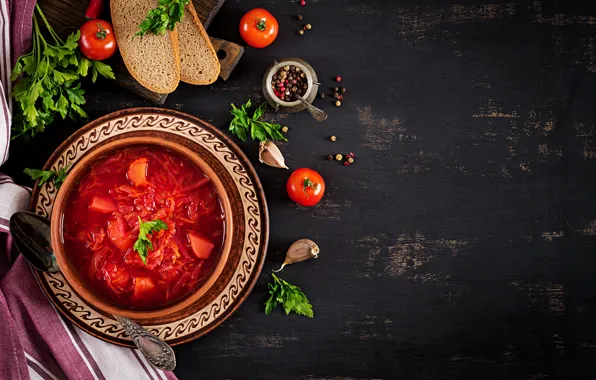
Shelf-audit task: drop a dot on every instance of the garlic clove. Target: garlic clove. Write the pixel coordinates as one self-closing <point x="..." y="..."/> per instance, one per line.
<point x="300" y="250"/>
<point x="269" y="154"/>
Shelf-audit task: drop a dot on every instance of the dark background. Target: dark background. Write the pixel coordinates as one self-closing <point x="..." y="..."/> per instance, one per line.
<point x="461" y="243"/>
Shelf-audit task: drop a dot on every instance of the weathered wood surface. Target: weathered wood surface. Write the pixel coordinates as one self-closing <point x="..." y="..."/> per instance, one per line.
<point x="65" y="15"/>
<point x="462" y="243"/>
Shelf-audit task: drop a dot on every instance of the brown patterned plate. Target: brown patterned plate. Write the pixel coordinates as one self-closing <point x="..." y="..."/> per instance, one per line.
<point x="242" y="182"/>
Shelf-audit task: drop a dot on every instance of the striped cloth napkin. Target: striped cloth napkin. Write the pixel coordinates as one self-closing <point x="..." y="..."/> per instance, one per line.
<point x="36" y="342"/>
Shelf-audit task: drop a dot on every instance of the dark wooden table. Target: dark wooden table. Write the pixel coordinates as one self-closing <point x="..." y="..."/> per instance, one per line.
<point x="462" y="242"/>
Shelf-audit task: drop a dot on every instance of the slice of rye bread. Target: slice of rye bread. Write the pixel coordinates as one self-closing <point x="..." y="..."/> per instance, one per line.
<point x="198" y="61"/>
<point x="153" y="60"/>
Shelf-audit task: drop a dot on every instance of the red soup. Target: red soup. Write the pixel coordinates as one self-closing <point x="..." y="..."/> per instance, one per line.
<point x="155" y="187"/>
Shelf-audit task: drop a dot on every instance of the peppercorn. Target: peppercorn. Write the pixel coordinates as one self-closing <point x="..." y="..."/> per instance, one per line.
<point x="332" y="138"/>
<point x="343" y="90"/>
<point x="335" y="89"/>
<point x="340" y="97"/>
<point x="308" y="26"/>
<point x="338" y="78"/>
<point x="302" y="2"/>
<point x="336" y="95"/>
<point x="346" y="163"/>
<point x="321" y="95"/>
<point x="351" y="160"/>
<point x="337" y="103"/>
<point x="299" y="17"/>
<point x="330" y="157"/>
<point x="338" y="157"/>
<point x="300" y="31"/>
<point x="284" y="129"/>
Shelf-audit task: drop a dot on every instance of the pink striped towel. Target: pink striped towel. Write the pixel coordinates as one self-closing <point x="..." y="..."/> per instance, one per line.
<point x="36" y="342"/>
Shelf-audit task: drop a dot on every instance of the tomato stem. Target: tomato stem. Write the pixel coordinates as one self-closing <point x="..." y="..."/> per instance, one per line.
<point x="308" y="184"/>
<point x="262" y="24"/>
<point x="101" y="32"/>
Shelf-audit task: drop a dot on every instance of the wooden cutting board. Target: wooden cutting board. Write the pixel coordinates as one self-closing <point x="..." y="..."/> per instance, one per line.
<point x="66" y="16"/>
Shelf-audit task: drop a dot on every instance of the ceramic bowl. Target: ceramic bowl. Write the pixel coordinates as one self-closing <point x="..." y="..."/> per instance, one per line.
<point x="79" y="171"/>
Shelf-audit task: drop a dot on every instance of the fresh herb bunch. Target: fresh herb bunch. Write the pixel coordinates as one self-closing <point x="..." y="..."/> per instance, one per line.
<point x="242" y="124"/>
<point x="57" y="176"/>
<point x="291" y="297"/>
<point x="50" y="80"/>
<point x="143" y="244"/>
<point x="165" y="17"/>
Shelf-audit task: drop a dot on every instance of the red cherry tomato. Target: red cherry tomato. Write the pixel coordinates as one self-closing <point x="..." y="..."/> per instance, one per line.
<point x="97" y="40"/>
<point x="258" y="28"/>
<point x="305" y="187"/>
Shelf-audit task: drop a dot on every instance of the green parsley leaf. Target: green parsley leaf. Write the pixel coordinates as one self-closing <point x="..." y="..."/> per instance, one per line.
<point x="83" y="68"/>
<point x="17" y="69"/>
<point x="291" y="297"/>
<point x="75" y="94"/>
<point x="103" y="70"/>
<point x="242" y="124"/>
<point x="165" y="17"/>
<point x="57" y="176"/>
<point x="143" y="244"/>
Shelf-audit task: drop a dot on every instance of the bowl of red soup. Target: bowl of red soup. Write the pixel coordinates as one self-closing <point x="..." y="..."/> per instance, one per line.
<point x="141" y="227"/>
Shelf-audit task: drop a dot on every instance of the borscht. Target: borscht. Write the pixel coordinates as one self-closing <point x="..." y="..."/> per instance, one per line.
<point x="144" y="227"/>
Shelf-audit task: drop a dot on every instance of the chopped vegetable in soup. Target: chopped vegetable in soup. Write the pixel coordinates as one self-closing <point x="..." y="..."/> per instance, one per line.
<point x="144" y="227"/>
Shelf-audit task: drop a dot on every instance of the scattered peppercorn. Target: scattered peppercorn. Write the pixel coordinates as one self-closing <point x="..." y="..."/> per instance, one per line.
<point x="337" y="103"/>
<point x="336" y="95"/>
<point x="338" y="157"/>
<point x="343" y="90"/>
<point x="336" y="89"/>
<point x="346" y="163"/>
<point x="308" y="26"/>
<point x="300" y="31"/>
<point x="330" y="157"/>
<point x="299" y="17"/>
<point x="302" y="2"/>
<point x="350" y="160"/>
<point x="284" y="129"/>
<point x="321" y="95"/>
<point x="350" y="155"/>
<point x="338" y="78"/>
<point x="340" y="97"/>
<point x="332" y="138"/>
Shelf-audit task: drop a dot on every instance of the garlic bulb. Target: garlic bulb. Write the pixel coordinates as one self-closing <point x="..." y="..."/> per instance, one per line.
<point x="301" y="250"/>
<point x="270" y="154"/>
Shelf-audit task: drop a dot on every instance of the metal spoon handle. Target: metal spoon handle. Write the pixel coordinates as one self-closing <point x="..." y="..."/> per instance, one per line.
<point x="317" y="113"/>
<point x="157" y="352"/>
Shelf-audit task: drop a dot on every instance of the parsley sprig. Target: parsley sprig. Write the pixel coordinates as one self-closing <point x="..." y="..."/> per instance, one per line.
<point x="291" y="297"/>
<point x="56" y="176"/>
<point x="242" y="124"/>
<point x="49" y="82"/>
<point x="165" y="17"/>
<point x="143" y="244"/>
